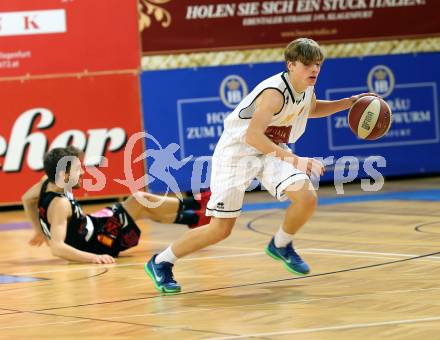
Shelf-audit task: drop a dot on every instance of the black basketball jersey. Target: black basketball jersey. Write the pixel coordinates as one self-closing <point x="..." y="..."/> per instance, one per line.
<point x="79" y="228"/>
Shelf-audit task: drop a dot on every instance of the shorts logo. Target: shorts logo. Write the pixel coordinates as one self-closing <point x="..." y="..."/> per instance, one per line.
<point x="232" y="90"/>
<point x="220" y="205"/>
<point x="381" y="80"/>
<point x="129" y="239"/>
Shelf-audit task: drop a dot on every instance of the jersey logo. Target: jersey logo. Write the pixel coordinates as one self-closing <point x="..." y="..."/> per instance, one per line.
<point x="76" y="209"/>
<point x="46" y="230"/>
<point x="289" y="118"/>
<point x="124" y="220"/>
<point x="129" y="239"/>
<point x="278" y="134"/>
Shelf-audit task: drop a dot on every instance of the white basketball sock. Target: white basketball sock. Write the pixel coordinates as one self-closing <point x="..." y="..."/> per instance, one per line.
<point x="282" y="238"/>
<point x="166" y="256"/>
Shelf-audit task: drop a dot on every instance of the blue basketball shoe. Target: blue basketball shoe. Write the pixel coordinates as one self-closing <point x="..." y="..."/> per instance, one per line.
<point x="292" y="261"/>
<point x="162" y="276"/>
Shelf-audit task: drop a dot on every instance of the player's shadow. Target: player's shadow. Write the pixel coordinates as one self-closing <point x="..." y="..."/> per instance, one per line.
<point x="244" y="296"/>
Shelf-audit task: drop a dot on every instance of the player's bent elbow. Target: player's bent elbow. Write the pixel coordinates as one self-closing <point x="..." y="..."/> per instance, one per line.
<point x="56" y="249"/>
<point x="25" y="198"/>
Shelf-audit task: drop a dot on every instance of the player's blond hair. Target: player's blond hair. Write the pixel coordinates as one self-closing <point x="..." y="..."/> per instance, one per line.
<point x="304" y="50"/>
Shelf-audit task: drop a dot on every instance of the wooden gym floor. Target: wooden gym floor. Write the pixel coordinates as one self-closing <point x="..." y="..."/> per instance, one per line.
<point x="375" y="274"/>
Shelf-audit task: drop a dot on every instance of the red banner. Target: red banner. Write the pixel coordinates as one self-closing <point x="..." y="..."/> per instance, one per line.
<point x="68" y="36"/>
<point x="178" y="26"/>
<point x="97" y="114"/>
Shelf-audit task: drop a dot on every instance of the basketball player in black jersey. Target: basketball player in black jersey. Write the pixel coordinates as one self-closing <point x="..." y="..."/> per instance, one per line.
<point x="59" y="221"/>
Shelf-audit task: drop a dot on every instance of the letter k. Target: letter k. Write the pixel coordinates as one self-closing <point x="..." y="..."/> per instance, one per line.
<point x="29" y="23"/>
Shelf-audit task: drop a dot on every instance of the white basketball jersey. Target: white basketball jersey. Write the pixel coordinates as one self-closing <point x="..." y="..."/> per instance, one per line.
<point x="286" y="126"/>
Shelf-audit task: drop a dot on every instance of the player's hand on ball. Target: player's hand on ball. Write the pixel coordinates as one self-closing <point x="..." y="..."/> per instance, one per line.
<point x="356" y="97"/>
<point x="310" y="166"/>
<point x="103" y="259"/>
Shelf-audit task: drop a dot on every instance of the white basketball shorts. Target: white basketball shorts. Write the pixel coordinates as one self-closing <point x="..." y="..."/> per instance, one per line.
<point x="231" y="176"/>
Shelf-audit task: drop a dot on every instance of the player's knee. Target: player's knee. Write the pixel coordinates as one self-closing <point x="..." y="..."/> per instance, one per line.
<point x="306" y="197"/>
<point x="309" y="198"/>
<point x="221" y="232"/>
<point x="226" y="232"/>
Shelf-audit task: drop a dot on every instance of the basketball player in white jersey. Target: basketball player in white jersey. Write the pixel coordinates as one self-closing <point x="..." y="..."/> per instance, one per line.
<point x="253" y="145"/>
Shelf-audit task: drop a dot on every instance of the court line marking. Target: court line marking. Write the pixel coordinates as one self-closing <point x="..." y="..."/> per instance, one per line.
<point x="88" y="319"/>
<point x="43" y="324"/>
<point x="400" y="291"/>
<point x="431" y="195"/>
<point x="140" y="263"/>
<point x="308" y="277"/>
<point x="85" y="319"/>
<point x="363" y="256"/>
<point x="305" y="250"/>
<point x="365" y="252"/>
<point x="210" y="247"/>
<point x="332" y="328"/>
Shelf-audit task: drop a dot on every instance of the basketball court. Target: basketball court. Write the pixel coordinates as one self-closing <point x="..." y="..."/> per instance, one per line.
<point x="375" y="271"/>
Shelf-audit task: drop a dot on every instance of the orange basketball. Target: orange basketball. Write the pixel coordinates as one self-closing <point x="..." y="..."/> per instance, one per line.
<point x="370" y="117"/>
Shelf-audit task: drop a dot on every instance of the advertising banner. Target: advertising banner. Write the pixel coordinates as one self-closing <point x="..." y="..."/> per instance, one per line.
<point x="178" y="26"/>
<point x="57" y="36"/>
<point x="96" y="114"/>
<point x="189" y="114"/>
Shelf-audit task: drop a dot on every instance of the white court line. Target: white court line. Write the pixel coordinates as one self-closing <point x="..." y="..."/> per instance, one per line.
<point x="353" y="296"/>
<point x="211" y="247"/>
<point x="365" y="256"/>
<point x="305" y="250"/>
<point x="332" y="328"/>
<point x="366" y="252"/>
<point x="138" y="263"/>
<point x="44" y="324"/>
<point x="400" y="291"/>
<point x="354" y="255"/>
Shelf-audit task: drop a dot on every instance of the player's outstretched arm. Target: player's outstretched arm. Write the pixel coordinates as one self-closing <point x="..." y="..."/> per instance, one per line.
<point x="58" y="214"/>
<point x="324" y="108"/>
<point x="30" y="206"/>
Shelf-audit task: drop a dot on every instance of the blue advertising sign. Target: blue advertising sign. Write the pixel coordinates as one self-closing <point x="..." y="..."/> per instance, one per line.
<point x="188" y="106"/>
<point x="415" y="121"/>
